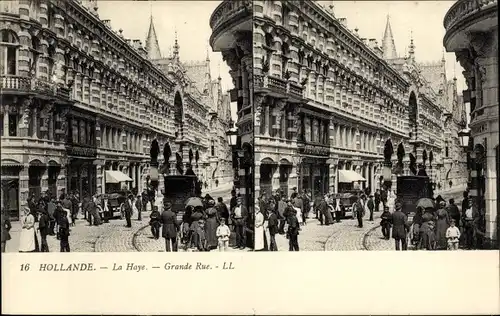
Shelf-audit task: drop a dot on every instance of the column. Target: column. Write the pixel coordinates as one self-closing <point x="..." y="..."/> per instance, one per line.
<point x="267" y="120"/>
<point x="6" y="121"/>
<point x="23" y="188"/>
<point x="25" y="117"/>
<point x="257" y="181"/>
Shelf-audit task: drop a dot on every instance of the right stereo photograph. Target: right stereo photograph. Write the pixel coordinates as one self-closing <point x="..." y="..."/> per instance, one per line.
<point x="375" y="125"/>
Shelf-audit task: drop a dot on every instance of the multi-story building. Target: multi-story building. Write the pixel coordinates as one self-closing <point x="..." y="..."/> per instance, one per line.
<point x="79" y="101"/>
<point x="472" y="33"/>
<point x="231" y="25"/>
<point x="330" y="104"/>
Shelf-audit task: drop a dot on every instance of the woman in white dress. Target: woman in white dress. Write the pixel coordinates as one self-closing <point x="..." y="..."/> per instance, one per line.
<point x="28" y="239"/>
<point x="298" y="214"/>
<point x="259" y="230"/>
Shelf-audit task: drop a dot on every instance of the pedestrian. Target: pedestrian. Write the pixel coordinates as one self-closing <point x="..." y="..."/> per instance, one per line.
<point x="359" y="210"/>
<point x="298" y="211"/>
<point x="325" y="217"/>
<point x="64" y="231"/>
<point x="127" y="210"/>
<point x="299" y="204"/>
<point x="479" y="225"/>
<point x="67" y="204"/>
<point x="138" y="207"/>
<point x="427" y="236"/>
<point x="371" y="207"/>
<point x="6" y="227"/>
<point x="442" y="224"/>
<point x="293" y="231"/>
<point x="418" y="220"/>
<point x="57" y="218"/>
<point x="93" y="207"/>
<point x="453" y="212"/>
<point x="222" y="211"/>
<point x="44" y="229"/>
<point x="259" y="230"/>
<point x="338" y="209"/>
<point x="239" y="216"/>
<point x="377" y="200"/>
<point x="400" y="227"/>
<point x="211" y="225"/>
<point x="223" y="233"/>
<point x="383" y="197"/>
<point x="170" y="228"/>
<point x="75" y="207"/>
<point x="28" y="239"/>
<point x="272" y="226"/>
<point x="155" y="223"/>
<point x="385" y="223"/>
<point x="196" y="217"/>
<point x="51" y="207"/>
<point x="468" y="219"/>
<point x="201" y="242"/>
<point x="282" y="205"/>
<point x="452" y="236"/>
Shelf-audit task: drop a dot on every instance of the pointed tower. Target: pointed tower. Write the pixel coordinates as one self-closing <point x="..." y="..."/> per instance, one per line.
<point x="208" y="77"/>
<point x="152" y="46"/>
<point x="411" y="51"/>
<point x="388" y="46"/>
<point x="176" y="48"/>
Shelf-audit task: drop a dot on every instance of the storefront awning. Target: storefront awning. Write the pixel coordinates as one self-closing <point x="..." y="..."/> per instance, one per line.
<point x="349" y="176"/>
<point x="115" y="176"/>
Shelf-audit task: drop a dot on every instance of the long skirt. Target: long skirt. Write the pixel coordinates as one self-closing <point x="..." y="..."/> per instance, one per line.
<point x="259" y="238"/>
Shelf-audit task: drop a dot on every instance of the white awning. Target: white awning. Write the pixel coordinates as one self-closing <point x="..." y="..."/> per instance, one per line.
<point x="115" y="176"/>
<point x="349" y="176"/>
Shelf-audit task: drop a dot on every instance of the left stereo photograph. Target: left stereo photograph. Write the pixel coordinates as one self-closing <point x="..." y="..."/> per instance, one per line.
<point x="126" y="128"/>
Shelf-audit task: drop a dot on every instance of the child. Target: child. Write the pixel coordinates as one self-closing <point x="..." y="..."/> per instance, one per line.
<point x="202" y="240"/>
<point x="154" y="222"/>
<point x="452" y="235"/>
<point x="223" y="234"/>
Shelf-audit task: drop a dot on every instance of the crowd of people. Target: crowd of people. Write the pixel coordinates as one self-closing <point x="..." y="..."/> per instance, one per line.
<point x="204" y="226"/>
<point x="440" y="227"/>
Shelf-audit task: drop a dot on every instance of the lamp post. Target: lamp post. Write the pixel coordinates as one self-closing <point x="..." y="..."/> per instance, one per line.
<point x="232" y="139"/>
<point x="466" y="144"/>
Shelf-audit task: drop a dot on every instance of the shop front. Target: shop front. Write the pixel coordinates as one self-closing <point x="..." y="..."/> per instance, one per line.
<point x="314" y="176"/>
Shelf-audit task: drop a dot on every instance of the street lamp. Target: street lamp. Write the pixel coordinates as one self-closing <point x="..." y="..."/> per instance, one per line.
<point x="232" y="139"/>
<point x="464" y="136"/>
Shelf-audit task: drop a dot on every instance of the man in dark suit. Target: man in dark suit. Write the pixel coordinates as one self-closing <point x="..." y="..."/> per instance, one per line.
<point x="128" y="210"/>
<point x="239" y="216"/>
<point x="400" y="226"/>
<point x="272" y="224"/>
<point x="377" y="200"/>
<point x="44" y="228"/>
<point x="170" y="227"/>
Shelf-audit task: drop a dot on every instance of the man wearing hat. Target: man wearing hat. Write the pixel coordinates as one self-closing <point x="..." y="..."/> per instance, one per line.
<point x="371" y="207"/>
<point x="170" y="227"/>
<point x="128" y="209"/>
<point x="400" y="227"/>
<point x="239" y="216"/>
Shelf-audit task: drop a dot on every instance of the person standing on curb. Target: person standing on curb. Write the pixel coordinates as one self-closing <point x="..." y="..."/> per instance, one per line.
<point x="400" y="227"/>
<point x="371" y="207"/>
<point x="170" y="228"/>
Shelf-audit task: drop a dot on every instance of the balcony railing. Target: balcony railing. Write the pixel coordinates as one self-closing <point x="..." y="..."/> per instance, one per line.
<point x="309" y="148"/>
<point x="464" y="8"/>
<point x="227" y="10"/>
<point x="279" y="85"/>
<point x="28" y="84"/>
<point x="81" y="150"/>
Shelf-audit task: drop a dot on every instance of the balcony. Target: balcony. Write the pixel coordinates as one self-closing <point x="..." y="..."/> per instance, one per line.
<point x="81" y="150"/>
<point x="227" y="19"/>
<point x="279" y="87"/>
<point x="468" y="15"/>
<point x="19" y="85"/>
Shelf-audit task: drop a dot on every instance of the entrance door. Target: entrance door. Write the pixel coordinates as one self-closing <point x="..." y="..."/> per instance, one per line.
<point x="34" y="182"/>
<point x="53" y="172"/>
<point x="10" y="197"/>
<point x="266" y="172"/>
<point x="284" y="173"/>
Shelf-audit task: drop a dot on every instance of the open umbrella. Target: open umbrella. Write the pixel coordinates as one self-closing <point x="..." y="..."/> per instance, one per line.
<point x="425" y="203"/>
<point x="194" y="202"/>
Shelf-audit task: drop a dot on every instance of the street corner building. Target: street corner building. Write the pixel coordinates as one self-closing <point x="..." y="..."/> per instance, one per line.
<point x="81" y="105"/>
<point x="333" y="108"/>
<point x="231" y="24"/>
<point x="472" y="33"/>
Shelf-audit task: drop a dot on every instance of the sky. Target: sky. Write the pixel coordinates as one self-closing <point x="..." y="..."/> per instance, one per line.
<point x="423" y="19"/>
<point x="189" y="18"/>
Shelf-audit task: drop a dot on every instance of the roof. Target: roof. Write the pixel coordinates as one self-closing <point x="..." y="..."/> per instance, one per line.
<point x="197" y="71"/>
<point x="432" y="73"/>
<point x="388" y="46"/>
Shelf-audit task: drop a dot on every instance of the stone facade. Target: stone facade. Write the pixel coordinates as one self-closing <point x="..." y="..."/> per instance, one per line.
<point x="328" y="100"/>
<point x="472" y="33"/>
<point x="78" y="98"/>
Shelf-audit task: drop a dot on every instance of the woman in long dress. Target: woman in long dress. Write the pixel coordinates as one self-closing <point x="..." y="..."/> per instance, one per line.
<point x="298" y="214"/>
<point x="442" y="224"/>
<point x="28" y="239"/>
<point x="259" y="230"/>
<point x="211" y="226"/>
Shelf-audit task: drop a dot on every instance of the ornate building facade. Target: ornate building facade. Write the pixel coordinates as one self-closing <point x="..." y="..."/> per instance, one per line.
<point x="329" y="103"/>
<point x="79" y="99"/>
<point x="231" y="25"/>
<point x="472" y="33"/>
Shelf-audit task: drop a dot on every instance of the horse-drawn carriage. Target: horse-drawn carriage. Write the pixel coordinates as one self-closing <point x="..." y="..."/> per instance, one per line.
<point x="113" y="202"/>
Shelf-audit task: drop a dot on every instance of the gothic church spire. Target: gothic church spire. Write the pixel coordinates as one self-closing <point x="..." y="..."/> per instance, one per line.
<point x="388" y="46"/>
<point x="152" y="46"/>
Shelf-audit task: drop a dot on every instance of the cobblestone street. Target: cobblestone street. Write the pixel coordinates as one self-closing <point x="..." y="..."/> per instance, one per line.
<point x="340" y="236"/>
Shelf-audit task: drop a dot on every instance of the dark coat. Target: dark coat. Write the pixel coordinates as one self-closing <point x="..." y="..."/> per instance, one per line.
<point x="400" y="225"/>
<point x="371" y="205"/>
<point x="272" y="223"/>
<point x="155" y="217"/>
<point x="293" y="225"/>
<point x="299" y="203"/>
<point x="44" y="224"/>
<point x="170" y="224"/>
<point x="6" y="226"/>
<point x="67" y="204"/>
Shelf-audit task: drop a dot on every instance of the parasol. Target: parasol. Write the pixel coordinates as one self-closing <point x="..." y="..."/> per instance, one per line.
<point x="194" y="202"/>
<point x="425" y="203"/>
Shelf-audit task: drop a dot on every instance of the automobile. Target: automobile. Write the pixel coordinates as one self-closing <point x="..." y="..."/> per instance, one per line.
<point x="115" y="203"/>
<point x="347" y="199"/>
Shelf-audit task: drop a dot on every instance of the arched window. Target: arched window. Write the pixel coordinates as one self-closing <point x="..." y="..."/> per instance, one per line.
<point x="9" y="44"/>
